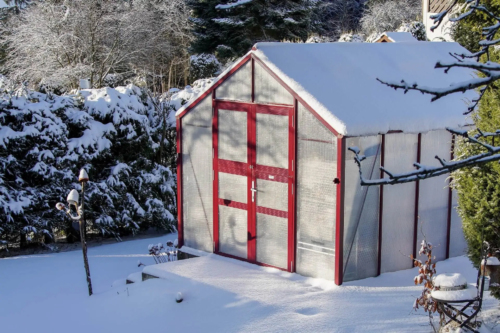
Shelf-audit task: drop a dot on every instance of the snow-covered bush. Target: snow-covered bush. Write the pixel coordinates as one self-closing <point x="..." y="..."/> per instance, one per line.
<point x="416" y="28"/>
<point x="351" y="38"/>
<point x="115" y="133"/>
<point x="204" y="66"/>
<point x="385" y="16"/>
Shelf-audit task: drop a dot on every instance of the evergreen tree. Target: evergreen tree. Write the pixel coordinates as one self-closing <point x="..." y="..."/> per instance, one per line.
<point x="229" y="29"/>
<point x="468" y="31"/>
<point x="33" y="172"/>
<point x="114" y="133"/>
<point x="478" y="187"/>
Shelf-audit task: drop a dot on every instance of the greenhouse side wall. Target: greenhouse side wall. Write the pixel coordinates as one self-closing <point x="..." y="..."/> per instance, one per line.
<point x="361" y="210"/>
<point x="316" y="197"/>
<point x="398" y="209"/>
<point x="197" y="184"/>
<point x="434" y="195"/>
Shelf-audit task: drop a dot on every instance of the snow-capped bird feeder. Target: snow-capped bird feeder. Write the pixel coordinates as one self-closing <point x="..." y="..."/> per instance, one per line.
<point x="73" y="197"/>
<point x="83" y="177"/>
<point x="264" y="171"/>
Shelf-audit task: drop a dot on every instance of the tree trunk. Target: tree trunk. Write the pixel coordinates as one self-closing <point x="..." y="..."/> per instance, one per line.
<point x="22" y="242"/>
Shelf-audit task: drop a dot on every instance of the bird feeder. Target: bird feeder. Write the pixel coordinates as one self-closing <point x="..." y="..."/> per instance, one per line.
<point x="73" y="197"/>
<point x="83" y="177"/>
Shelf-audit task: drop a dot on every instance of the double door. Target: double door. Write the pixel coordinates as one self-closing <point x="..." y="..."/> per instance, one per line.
<point x="254" y="182"/>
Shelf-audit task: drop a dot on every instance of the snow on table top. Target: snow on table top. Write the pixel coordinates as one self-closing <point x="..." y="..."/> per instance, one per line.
<point x="339" y="81"/>
<point x="450" y="280"/>
<point x="455" y="295"/>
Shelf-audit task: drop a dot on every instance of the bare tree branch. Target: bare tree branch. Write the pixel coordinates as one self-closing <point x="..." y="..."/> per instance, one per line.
<point x="489" y="74"/>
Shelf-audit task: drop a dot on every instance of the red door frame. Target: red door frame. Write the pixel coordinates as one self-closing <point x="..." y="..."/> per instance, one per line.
<point x="252" y="174"/>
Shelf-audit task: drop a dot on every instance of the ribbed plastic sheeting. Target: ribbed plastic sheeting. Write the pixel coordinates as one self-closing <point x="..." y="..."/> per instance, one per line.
<point x="398" y="214"/>
<point x="272" y="240"/>
<point x="272" y="140"/>
<point x="268" y="90"/>
<point x="434" y="194"/>
<point x="233" y="228"/>
<point x="238" y="87"/>
<point x="233" y="187"/>
<point x="361" y="210"/>
<point x="232" y="127"/>
<point x="316" y="197"/>
<point x="458" y="245"/>
<point x="197" y="193"/>
<point x="272" y="194"/>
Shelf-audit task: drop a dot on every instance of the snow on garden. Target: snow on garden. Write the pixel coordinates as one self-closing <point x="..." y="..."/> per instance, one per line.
<point x="48" y="293"/>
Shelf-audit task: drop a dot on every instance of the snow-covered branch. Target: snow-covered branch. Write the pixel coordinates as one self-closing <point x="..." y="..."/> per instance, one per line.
<point x="488" y="74"/>
<point x="491" y="154"/>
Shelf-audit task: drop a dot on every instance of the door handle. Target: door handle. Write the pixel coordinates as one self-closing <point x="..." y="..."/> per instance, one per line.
<point x="253" y="189"/>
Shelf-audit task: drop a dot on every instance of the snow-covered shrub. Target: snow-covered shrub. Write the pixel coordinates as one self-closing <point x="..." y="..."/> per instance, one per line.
<point x="416" y="28"/>
<point x="114" y="133"/>
<point x="426" y="271"/>
<point x="204" y="66"/>
<point x="351" y="38"/>
<point x="383" y="16"/>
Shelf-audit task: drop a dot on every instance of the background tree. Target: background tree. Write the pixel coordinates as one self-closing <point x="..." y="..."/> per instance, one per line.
<point x="231" y="28"/>
<point x="382" y="16"/>
<point x="56" y="43"/>
<point x="332" y="18"/>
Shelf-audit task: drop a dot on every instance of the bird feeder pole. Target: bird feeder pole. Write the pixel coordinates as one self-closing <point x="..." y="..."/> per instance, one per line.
<point x="73" y="199"/>
<point x="82" y="231"/>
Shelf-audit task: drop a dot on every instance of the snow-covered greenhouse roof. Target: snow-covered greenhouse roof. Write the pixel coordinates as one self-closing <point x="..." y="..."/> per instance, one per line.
<point x="339" y="81"/>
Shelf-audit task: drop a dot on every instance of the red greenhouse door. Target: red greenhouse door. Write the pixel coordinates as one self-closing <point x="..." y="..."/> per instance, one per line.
<point x="253" y="183"/>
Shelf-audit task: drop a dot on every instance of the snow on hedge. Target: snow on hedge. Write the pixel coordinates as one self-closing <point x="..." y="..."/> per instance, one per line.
<point x="114" y="132"/>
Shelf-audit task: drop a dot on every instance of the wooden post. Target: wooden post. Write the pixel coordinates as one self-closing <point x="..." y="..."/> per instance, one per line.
<point x="84" y="243"/>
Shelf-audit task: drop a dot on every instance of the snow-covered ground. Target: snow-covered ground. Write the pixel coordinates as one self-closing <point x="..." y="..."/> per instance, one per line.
<point x="48" y="293"/>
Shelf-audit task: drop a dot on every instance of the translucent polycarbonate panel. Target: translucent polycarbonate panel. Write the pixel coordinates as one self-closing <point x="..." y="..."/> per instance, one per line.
<point x="272" y="140"/>
<point x="434" y="194"/>
<point x="232" y="127"/>
<point x="233" y="187"/>
<point x="315" y="263"/>
<point x="272" y="240"/>
<point x="197" y="194"/>
<point x="361" y="210"/>
<point x="272" y="194"/>
<point x="316" y="196"/>
<point x="233" y="229"/>
<point x="458" y="245"/>
<point x="268" y="90"/>
<point x="238" y="87"/>
<point x="398" y="215"/>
